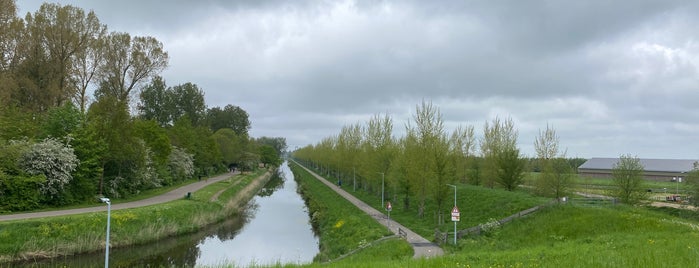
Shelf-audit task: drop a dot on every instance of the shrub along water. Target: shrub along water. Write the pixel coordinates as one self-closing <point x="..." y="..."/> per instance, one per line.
<point x="67" y="235"/>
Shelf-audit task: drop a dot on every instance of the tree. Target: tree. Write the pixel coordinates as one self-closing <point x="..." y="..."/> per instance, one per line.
<point x="462" y="144"/>
<point x="230" y="116"/>
<point x="269" y="156"/>
<point x="62" y="121"/>
<point x="510" y="170"/>
<point x="188" y="100"/>
<point x="628" y="178"/>
<point x="499" y="142"/>
<point x="278" y="143"/>
<point x="433" y="167"/>
<point x="86" y="65"/>
<point x="128" y="62"/>
<point x="693" y="183"/>
<point x="556" y="172"/>
<point x="156" y="103"/>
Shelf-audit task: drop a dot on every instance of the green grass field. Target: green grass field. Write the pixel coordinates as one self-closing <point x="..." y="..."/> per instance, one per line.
<point x="562" y="235"/>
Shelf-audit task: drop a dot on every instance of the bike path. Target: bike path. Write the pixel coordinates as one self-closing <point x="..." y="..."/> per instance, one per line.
<point x="421" y="246"/>
<point x="178" y="193"/>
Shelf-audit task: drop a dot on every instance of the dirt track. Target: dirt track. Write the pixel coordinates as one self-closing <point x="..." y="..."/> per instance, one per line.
<point x="163" y="198"/>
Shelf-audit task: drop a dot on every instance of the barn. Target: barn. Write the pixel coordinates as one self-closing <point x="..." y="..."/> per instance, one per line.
<point x="654" y="169"/>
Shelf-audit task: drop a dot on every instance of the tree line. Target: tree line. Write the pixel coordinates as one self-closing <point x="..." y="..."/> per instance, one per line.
<point x="419" y="166"/>
<point x="84" y="113"/>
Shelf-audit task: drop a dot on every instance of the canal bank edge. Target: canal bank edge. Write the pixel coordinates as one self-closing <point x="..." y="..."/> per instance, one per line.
<point x="85" y="233"/>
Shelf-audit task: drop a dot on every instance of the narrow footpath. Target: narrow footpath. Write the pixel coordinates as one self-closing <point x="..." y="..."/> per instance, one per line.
<point x="163" y="198"/>
<point x="421" y="246"/>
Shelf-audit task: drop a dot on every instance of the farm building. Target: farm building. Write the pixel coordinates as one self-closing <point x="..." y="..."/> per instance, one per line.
<point x="654" y="169"/>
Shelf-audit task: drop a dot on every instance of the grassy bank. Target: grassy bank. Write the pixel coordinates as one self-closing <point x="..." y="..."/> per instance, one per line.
<point x="343" y="227"/>
<point x="477" y="205"/>
<point x="55" y="236"/>
<point x="557" y="236"/>
<point x="569" y="236"/>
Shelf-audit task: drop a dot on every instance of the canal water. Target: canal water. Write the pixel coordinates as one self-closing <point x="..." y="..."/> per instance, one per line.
<point x="273" y="228"/>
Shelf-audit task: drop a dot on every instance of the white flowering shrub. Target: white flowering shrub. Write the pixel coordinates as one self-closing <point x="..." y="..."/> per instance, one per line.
<point x="52" y="159"/>
<point x="181" y="164"/>
<point x="490" y="227"/>
<point x="147" y="174"/>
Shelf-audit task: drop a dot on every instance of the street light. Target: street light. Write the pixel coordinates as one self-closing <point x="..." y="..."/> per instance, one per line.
<point x="454" y="206"/>
<point x="382" y="182"/>
<point x="109" y="215"/>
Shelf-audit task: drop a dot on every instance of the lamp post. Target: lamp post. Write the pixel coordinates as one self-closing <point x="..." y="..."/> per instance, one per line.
<point x="382" y="183"/>
<point x="455" y="207"/>
<point x="109" y="215"/>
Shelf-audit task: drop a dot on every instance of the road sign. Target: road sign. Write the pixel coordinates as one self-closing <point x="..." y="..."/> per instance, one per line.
<point x="455" y="214"/>
<point x="388" y="206"/>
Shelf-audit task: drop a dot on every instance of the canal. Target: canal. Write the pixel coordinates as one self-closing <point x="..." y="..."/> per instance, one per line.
<point x="274" y="228"/>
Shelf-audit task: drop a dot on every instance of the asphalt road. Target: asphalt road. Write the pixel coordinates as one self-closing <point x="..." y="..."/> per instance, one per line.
<point x="163" y="198"/>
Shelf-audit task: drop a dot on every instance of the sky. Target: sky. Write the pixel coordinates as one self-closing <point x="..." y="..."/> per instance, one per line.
<point x="611" y="77"/>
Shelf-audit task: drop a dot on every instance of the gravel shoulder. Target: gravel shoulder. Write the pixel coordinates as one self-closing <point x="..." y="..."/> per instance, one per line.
<point x="163" y="198"/>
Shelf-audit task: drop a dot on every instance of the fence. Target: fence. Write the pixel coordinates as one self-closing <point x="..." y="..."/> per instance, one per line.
<point x="441" y="237"/>
<point x="592" y="202"/>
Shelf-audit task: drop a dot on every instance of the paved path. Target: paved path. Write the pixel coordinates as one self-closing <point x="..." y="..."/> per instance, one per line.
<point x="421" y="246"/>
<point x="163" y="198"/>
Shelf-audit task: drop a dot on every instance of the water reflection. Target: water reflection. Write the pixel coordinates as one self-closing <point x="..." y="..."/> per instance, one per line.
<point x="279" y="232"/>
<point x="273" y="228"/>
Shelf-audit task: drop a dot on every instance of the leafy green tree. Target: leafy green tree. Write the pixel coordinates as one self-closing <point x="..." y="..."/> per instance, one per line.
<point x="62" y="121"/>
<point x="128" y="63"/>
<point x="269" y="156"/>
<point x="499" y="142"/>
<point x="278" y="143"/>
<point x="230" y="116"/>
<point x="156" y="102"/>
<point x="510" y="172"/>
<point x="188" y="100"/>
<point x="556" y="173"/>
<point x="627" y="175"/>
<point x="434" y="170"/>
<point x="16" y="123"/>
<point x="692" y="179"/>
<point x="462" y="145"/>
<point x="155" y="138"/>
<point x="90" y="148"/>
<point x="20" y="192"/>
<point x="111" y="122"/>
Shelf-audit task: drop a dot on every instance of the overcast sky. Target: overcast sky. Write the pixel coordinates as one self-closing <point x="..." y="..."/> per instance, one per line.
<point x="611" y="77"/>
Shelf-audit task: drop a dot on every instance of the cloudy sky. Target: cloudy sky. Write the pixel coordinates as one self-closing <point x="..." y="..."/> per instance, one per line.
<point x="611" y="77"/>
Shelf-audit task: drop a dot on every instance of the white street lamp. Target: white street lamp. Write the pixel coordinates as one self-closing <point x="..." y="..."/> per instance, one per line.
<point x="382" y="183"/>
<point x="109" y="215"/>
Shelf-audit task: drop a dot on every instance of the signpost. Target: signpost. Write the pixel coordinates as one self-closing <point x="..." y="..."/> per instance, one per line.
<point x="455" y="217"/>
<point x="389" y="208"/>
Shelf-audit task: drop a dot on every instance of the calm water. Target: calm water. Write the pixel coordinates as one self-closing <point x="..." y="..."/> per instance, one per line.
<point x="274" y="228"/>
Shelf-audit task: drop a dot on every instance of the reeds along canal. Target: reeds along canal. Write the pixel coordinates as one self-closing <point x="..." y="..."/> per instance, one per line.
<point x="273" y="228"/>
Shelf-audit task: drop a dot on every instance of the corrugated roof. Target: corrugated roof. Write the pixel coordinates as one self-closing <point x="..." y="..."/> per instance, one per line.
<point x="660" y="165"/>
